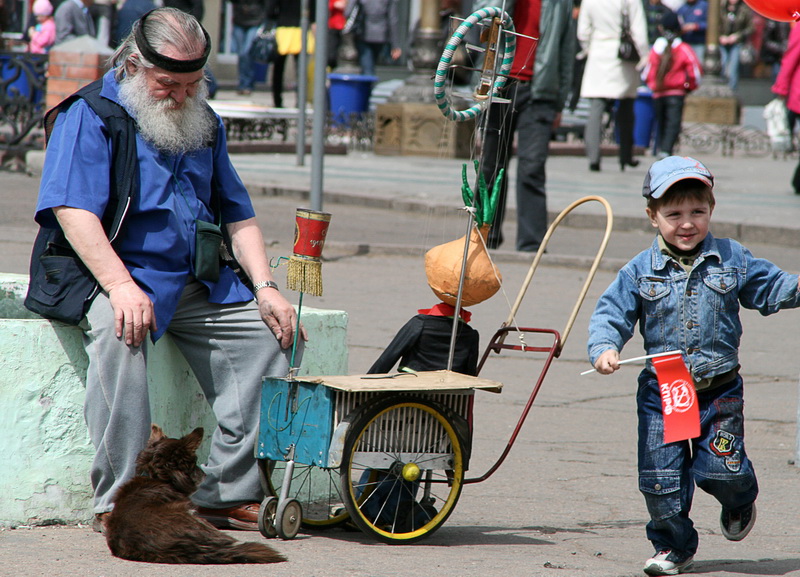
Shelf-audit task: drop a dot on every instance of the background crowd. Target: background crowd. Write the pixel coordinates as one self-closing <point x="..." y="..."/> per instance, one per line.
<point x="669" y="39"/>
<point x="746" y="39"/>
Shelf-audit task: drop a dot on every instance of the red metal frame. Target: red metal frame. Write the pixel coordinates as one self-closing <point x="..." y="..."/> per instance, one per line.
<point x="496" y="345"/>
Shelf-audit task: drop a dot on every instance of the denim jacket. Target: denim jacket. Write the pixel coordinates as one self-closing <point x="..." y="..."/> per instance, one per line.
<point x="697" y="312"/>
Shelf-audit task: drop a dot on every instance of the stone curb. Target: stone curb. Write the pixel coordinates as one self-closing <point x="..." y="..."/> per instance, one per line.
<point x="742" y="231"/>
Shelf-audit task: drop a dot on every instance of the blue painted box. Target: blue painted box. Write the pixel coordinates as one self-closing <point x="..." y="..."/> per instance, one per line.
<point x="298" y="413"/>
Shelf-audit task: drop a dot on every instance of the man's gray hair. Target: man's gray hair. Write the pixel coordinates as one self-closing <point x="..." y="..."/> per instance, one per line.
<point x="164" y="27"/>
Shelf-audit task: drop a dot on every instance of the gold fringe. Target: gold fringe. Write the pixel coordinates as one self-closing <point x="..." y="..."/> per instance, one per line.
<point x="304" y="275"/>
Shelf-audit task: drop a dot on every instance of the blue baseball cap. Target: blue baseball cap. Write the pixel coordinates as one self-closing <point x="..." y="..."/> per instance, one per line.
<point x="666" y="172"/>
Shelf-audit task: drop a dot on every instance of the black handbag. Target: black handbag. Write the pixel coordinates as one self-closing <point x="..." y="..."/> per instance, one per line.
<point x="627" y="47"/>
<point x="355" y="20"/>
<point x="264" y="46"/>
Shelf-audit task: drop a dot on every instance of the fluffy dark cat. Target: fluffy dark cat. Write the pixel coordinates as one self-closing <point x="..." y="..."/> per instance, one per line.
<point x="153" y="519"/>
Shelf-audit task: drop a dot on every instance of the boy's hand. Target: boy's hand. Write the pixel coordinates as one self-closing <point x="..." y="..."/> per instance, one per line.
<point x="608" y="362"/>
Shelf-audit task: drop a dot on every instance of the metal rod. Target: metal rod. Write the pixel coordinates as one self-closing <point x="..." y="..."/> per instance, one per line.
<point x="482" y="128"/>
<point x="457" y="315"/>
<point x="320" y="107"/>
<point x="296" y="338"/>
<point x="302" y="85"/>
<point x="551" y="355"/>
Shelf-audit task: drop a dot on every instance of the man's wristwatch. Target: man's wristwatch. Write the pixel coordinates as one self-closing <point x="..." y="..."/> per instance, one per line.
<point x="265" y="284"/>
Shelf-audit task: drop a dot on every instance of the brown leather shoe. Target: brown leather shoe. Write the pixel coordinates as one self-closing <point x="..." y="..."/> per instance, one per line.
<point x="243" y="517"/>
<point x="100" y="523"/>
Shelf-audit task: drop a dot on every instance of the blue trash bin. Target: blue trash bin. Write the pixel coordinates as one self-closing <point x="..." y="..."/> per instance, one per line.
<point x="645" y="118"/>
<point x="349" y="94"/>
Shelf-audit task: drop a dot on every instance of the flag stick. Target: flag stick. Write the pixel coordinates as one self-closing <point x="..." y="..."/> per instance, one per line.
<point x="634" y="359"/>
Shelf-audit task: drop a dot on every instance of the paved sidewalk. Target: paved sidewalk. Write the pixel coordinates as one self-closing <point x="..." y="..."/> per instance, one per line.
<point x="566" y="500"/>
<point x="754" y="195"/>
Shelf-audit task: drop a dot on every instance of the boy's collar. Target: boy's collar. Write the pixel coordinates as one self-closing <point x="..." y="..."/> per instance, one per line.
<point x="707" y="248"/>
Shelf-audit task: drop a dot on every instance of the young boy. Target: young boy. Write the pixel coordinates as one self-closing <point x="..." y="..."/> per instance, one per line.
<point x="685" y="292"/>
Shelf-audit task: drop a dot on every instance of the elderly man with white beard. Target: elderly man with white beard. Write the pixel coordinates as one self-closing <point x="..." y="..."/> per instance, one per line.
<point x="156" y="276"/>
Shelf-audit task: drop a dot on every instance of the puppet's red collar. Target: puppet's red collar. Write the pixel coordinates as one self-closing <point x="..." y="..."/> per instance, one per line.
<point x="446" y="310"/>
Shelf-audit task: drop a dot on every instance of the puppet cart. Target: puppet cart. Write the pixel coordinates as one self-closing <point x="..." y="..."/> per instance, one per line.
<point x="387" y="453"/>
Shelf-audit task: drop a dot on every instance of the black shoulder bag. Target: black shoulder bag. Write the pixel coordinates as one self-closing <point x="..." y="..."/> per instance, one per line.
<point x="627" y="47"/>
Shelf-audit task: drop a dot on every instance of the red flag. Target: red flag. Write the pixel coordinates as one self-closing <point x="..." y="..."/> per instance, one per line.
<point x="678" y="399"/>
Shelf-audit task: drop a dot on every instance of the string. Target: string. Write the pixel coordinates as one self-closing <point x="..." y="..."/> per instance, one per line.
<point x="503" y="292"/>
<point x="505" y="145"/>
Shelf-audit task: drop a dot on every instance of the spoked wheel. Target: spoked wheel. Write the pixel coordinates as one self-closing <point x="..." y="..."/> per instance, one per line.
<point x="491" y="84"/>
<point x="266" y="517"/>
<point x="403" y="469"/>
<point x="317" y="490"/>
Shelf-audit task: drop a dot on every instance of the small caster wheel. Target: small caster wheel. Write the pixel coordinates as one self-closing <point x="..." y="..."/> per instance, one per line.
<point x="288" y="518"/>
<point x="266" y="517"/>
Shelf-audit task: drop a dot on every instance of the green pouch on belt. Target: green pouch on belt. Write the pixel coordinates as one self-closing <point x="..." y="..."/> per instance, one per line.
<point x="208" y="240"/>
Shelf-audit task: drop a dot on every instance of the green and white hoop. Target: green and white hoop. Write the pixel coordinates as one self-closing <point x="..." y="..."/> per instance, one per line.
<point x="440" y="80"/>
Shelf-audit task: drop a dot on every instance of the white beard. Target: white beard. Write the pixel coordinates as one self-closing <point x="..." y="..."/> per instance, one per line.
<point x="171" y="130"/>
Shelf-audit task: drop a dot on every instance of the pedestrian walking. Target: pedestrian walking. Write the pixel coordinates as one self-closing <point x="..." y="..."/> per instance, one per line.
<point x="607" y="77"/>
<point x="541" y="81"/>
<point x="379" y="31"/>
<point x="671" y="73"/>
<point x="787" y="87"/>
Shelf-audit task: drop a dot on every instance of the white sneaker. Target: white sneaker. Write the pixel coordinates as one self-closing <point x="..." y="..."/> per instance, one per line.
<point x="667" y="563"/>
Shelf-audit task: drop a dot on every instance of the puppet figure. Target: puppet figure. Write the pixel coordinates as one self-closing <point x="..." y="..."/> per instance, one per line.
<point x="423" y="344"/>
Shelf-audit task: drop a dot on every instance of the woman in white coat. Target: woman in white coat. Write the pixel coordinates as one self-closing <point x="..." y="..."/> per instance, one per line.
<point x="608" y="78"/>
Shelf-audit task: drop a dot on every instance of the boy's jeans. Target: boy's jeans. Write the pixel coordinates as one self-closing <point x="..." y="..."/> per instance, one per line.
<point x="716" y="461"/>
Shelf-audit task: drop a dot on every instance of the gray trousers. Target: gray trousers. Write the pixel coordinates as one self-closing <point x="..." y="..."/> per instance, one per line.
<point x="624" y="123"/>
<point x="228" y="347"/>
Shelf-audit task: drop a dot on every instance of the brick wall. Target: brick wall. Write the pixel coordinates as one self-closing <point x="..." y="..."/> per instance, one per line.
<point x="74" y="64"/>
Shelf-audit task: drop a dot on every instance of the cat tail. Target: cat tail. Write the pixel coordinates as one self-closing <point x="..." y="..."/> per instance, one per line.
<point x="244" y="553"/>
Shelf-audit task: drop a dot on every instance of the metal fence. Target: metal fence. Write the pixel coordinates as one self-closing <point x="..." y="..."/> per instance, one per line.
<point x="22" y="106"/>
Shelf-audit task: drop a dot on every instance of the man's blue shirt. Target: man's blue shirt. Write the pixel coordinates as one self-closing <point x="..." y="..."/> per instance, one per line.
<point x="157" y="239"/>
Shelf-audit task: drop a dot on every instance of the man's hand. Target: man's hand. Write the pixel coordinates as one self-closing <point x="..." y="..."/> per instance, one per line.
<point x="133" y="312"/>
<point x="279" y="315"/>
<point x="608" y="362"/>
<point x="557" y="122"/>
<point x="248" y="248"/>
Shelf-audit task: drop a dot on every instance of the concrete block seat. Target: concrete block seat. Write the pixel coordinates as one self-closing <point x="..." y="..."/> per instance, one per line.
<point x="46" y="447"/>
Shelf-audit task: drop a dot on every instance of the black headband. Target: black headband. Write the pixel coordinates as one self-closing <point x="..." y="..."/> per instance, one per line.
<point x="165" y="62"/>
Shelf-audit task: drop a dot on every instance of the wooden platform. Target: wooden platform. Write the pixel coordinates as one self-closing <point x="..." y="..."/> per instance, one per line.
<point x="431" y="381"/>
